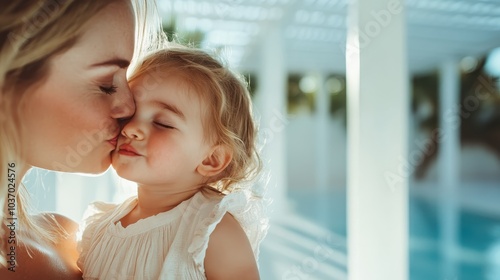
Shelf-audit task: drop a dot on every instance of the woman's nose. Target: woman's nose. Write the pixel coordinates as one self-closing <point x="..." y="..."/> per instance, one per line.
<point x="123" y="105"/>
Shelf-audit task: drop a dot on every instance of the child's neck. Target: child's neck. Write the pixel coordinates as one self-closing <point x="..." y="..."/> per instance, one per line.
<point x="151" y="202"/>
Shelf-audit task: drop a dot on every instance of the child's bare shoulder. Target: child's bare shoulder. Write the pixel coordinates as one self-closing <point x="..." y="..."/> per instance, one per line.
<point x="228" y="226"/>
<point x="229" y="254"/>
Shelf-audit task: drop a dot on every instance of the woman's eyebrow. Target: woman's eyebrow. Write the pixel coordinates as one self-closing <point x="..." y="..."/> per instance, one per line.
<point x="122" y="63"/>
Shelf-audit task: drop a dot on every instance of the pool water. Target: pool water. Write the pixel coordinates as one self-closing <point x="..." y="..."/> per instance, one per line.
<point x="309" y="242"/>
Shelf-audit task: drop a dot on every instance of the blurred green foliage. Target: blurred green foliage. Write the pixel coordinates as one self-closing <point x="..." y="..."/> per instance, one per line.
<point x="478" y="108"/>
<point x="188" y="38"/>
<point x="300" y="101"/>
<point x="338" y="97"/>
<point x="251" y="79"/>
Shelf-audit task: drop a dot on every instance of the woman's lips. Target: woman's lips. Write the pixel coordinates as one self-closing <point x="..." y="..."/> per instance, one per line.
<point x="113" y="141"/>
<point x="128" y="150"/>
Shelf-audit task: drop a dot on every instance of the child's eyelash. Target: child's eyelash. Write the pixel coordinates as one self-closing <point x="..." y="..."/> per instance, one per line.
<point x="108" y="89"/>
<point x="163" y="125"/>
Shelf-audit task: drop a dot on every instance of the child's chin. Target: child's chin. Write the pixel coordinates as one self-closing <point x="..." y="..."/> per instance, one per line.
<point x="121" y="170"/>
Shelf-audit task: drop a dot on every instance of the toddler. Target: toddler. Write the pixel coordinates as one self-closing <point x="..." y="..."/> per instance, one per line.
<point x="190" y="147"/>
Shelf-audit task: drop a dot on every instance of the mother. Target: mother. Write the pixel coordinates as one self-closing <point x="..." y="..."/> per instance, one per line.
<point x="63" y="90"/>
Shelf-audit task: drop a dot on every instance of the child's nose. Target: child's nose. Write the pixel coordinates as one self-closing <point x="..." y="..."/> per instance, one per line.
<point x="133" y="131"/>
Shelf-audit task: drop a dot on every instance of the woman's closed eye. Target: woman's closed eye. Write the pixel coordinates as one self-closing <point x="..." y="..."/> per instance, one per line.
<point x="109" y="90"/>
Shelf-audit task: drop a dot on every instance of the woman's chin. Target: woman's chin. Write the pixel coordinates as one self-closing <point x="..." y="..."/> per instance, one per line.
<point x="91" y="168"/>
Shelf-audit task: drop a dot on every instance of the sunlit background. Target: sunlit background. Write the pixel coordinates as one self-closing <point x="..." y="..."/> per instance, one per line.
<point x="293" y="52"/>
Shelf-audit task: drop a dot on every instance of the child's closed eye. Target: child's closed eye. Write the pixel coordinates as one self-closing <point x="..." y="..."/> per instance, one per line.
<point x="162" y="125"/>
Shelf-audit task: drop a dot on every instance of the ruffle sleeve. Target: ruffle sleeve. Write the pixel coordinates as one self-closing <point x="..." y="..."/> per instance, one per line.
<point x="249" y="211"/>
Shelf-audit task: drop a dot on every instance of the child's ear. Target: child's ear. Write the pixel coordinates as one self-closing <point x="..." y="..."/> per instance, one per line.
<point x="217" y="160"/>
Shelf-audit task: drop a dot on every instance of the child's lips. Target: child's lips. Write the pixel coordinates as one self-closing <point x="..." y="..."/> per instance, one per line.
<point x="128" y="150"/>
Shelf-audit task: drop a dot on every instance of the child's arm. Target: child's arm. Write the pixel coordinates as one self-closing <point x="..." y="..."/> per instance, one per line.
<point x="229" y="254"/>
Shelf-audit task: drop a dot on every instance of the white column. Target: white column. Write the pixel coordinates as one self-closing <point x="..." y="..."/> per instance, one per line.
<point x="322" y="118"/>
<point x="323" y="167"/>
<point x="271" y="107"/>
<point x="449" y="161"/>
<point x="378" y="108"/>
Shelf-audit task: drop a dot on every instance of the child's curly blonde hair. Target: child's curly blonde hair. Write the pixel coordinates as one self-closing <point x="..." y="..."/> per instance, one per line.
<point x="229" y="118"/>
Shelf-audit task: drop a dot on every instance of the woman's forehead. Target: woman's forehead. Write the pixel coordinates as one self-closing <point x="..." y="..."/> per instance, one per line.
<point x="110" y="33"/>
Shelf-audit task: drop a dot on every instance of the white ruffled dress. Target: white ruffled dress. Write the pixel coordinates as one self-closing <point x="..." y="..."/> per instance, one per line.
<point x="170" y="245"/>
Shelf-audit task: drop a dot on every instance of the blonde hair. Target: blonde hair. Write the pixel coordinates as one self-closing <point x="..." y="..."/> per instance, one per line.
<point x="229" y="121"/>
<point x="31" y="32"/>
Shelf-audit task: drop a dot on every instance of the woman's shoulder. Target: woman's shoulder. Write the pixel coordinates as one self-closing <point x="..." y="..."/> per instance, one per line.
<point x="58" y="220"/>
<point x="66" y="243"/>
<point x="39" y="261"/>
<point x="35" y="259"/>
<point x="66" y="240"/>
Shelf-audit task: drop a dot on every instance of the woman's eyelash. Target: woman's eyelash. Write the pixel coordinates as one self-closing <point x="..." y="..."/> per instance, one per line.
<point x="108" y="90"/>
